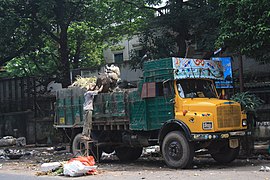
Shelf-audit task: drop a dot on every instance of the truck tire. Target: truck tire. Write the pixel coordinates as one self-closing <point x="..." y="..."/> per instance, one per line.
<point x="225" y="154"/>
<point x="127" y="154"/>
<point x="177" y="151"/>
<point x="76" y="143"/>
<point x="78" y="148"/>
<point x="108" y="149"/>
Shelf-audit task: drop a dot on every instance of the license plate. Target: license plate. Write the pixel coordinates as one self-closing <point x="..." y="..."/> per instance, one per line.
<point x="233" y="143"/>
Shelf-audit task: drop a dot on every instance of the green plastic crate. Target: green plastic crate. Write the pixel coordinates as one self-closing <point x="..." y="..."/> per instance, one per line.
<point x="158" y="70"/>
<point x="110" y="105"/>
<point x="69" y="106"/>
<point x="137" y="111"/>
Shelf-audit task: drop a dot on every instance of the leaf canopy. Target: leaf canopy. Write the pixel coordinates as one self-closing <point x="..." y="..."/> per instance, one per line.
<point x="245" y="27"/>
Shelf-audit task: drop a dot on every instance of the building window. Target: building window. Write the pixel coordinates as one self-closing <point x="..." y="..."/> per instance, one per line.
<point x="118" y="58"/>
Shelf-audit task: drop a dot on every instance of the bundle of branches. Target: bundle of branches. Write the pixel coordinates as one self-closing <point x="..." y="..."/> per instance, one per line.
<point x="84" y="83"/>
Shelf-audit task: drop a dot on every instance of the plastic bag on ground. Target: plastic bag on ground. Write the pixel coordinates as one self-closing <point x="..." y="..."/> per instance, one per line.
<point x="50" y="166"/>
<point x="80" y="166"/>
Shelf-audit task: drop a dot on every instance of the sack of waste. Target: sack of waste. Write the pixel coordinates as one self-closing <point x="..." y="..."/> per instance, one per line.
<point x="80" y="166"/>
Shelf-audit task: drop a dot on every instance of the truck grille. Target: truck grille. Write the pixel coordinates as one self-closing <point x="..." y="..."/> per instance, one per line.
<point x="228" y="116"/>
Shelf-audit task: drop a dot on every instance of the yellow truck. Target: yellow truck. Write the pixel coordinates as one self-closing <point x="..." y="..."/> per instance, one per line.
<point x="175" y="106"/>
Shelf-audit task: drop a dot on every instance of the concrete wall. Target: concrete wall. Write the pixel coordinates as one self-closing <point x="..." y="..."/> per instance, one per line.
<point x="14" y="124"/>
<point x="25" y="124"/>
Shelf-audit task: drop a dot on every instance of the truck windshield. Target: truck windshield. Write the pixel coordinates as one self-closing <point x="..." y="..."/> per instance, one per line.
<point x="196" y="88"/>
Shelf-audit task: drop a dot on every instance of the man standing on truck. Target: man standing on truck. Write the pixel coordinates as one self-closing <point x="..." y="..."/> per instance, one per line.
<point x="88" y="108"/>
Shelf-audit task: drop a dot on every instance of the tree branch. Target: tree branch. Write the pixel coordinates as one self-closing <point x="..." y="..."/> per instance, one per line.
<point x="15" y="54"/>
<point x="74" y="12"/>
<point x="145" y="7"/>
<point x="47" y="30"/>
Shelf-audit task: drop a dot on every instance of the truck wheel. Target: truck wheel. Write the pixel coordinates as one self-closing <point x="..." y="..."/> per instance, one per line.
<point x="226" y="154"/>
<point x="127" y="154"/>
<point x="76" y="143"/>
<point x="177" y="151"/>
<point x="78" y="148"/>
<point x="108" y="149"/>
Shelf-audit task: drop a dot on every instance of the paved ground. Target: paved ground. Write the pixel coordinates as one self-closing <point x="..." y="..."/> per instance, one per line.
<point x="147" y="167"/>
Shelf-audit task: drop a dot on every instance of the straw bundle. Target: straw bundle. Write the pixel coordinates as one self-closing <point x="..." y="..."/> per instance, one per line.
<point x="84" y="82"/>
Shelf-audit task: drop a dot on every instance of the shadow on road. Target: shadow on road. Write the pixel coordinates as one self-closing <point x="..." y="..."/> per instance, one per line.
<point x="200" y="163"/>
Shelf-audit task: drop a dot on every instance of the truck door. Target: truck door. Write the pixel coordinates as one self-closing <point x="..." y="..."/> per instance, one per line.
<point x="160" y="106"/>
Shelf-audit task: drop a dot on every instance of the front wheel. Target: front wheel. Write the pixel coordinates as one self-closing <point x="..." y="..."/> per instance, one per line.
<point x="177" y="151"/>
<point x="127" y="154"/>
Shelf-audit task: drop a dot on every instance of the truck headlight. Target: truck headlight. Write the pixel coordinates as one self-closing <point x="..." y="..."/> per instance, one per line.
<point x="244" y="122"/>
<point x="207" y="125"/>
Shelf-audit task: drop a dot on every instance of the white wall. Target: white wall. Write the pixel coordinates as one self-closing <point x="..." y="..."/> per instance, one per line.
<point x="126" y="72"/>
<point x="129" y="45"/>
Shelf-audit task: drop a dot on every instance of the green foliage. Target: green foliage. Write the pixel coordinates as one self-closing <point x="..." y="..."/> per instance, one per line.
<point x="249" y="102"/>
<point x="117" y="47"/>
<point x="86" y="45"/>
<point x="42" y="61"/>
<point x="245" y="27"/>
<point x="179" y="23"/>
<point x="50" y="37"/>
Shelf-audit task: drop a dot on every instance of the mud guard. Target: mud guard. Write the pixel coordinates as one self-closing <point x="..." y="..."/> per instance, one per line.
<point x="172" y="125"/>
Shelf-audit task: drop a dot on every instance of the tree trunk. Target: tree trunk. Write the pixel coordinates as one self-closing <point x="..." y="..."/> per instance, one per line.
<point x="241" y="81"/>
<point x="77" y="54"/>
<point x="64" y="57"/>
<point x="63" y="44"/>
<point x="181" y="43"/>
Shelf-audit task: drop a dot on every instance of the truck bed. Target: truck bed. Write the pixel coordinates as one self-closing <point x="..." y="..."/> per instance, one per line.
<point x="110" y="109"/>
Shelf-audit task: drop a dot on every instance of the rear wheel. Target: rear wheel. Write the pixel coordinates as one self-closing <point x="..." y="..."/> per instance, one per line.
<point x="127" y="154"/>
<point x="108" y="149"/>
<point x="177" y="151"/>
<point x="225" y="154"/>
<point x="79" y="148"/>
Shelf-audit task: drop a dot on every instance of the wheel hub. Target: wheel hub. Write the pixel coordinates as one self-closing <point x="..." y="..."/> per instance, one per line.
<point x="175" y="150"/>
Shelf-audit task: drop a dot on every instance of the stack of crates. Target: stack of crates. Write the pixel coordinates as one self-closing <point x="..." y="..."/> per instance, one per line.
<point x="69" y="106"/>
<point x="137" y="111"/>
<point x="158" y="70"/>
<point x="107" y="105"/>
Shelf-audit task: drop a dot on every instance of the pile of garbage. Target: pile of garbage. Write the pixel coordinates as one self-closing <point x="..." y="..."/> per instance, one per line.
<point x="12" y="153"/>
<point x="10" y="141"/>
<point x="78" y="166"/>
<point x="153" y="151"/>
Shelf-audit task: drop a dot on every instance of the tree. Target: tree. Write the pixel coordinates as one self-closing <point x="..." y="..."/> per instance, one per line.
<point x="245" y="27"/>
<point x="180" y="23"/>
<point x="74" y="31"/>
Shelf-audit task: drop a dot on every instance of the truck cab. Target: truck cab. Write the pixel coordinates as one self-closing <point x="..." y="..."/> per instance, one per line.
<point x="192" y="116"/>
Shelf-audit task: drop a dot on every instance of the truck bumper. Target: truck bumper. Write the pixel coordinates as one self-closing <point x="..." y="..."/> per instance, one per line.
<point x="219" y="135"/>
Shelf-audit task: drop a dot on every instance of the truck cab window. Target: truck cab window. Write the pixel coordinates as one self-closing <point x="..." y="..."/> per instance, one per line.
<point x="180" y="91"/>
<point x="159" y="89"/>
<point x="196" y="88"/>
<point x="164" y="89"/>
